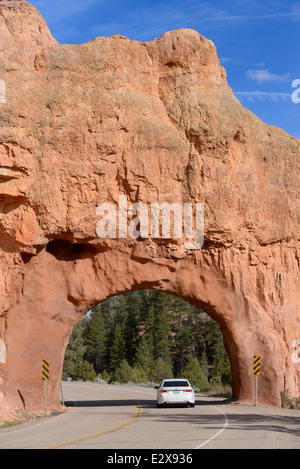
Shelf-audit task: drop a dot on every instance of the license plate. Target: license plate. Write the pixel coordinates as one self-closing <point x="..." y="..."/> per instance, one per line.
<point x="176" y="392"/>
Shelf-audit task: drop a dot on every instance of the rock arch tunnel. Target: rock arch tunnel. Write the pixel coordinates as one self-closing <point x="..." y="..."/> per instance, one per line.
<point x="63" y="282"/>
<point x="155" y="122"/>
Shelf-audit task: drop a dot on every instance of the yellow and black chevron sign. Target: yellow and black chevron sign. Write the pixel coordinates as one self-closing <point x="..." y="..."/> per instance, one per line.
<point x="45" y="370"/>
<point x="256" y="365"/>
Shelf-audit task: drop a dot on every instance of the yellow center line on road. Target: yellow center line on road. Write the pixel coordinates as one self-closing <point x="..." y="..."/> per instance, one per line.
<point x="137" y="415"/>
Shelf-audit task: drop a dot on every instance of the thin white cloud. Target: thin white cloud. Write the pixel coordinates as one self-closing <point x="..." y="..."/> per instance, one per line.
<point x="259" y="64"/>
<point x="293" y="14"/>
<point x="264" y="75"/>
<point x="296" y="11"/>
<point x="225" y="60"/>
<point x="263" y="96"/>
<point x="151" y="19"/>
<point x="253" y="17"/>
<point x="58" y="10"/>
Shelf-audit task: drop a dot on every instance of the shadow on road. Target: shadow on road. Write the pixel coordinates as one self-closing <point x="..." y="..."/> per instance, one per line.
<point x="239" y="421"/>
<point x="125" y="402"/>
<point x="111" y="403"/>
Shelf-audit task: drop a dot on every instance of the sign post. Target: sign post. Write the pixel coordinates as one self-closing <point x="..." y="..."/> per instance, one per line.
<point x="45" y="378"/>
<point x="256" y="372"/>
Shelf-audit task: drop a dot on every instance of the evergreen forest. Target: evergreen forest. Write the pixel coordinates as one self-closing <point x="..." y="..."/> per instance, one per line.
<point x="144" y="336"/>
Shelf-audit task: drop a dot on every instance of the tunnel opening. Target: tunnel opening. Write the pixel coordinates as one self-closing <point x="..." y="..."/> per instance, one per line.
<point x="142" y="337"/>
<point x="70" y="281"/>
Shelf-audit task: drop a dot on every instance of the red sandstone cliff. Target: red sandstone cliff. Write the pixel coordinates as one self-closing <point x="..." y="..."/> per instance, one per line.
<point x="157" y="122"/>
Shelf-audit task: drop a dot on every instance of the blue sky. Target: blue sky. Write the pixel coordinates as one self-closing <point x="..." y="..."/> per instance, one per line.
<point x="257" y="42"/>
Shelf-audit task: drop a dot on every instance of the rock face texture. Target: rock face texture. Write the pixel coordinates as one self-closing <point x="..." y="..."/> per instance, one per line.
<point x="155" y="122"/>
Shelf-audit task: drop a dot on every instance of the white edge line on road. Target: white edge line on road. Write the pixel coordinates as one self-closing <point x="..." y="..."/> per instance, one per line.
<point x="219" y="432"/>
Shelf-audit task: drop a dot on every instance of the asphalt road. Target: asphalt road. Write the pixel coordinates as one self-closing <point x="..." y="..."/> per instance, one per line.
<point x="126" y="417"/>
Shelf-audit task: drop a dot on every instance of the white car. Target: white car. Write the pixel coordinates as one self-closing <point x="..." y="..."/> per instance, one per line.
<point x="175" y="391"/>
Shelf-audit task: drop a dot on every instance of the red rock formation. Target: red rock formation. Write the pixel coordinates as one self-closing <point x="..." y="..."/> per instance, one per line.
<point x="157" y="122"/>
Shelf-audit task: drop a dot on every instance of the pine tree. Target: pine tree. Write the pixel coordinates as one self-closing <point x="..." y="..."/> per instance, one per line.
<point x="75" y="350"/>
<point x="223" y="371"/>
<point x="104" y="375"/>
<point x="112" y="310"/>
<point x="160" y="370"/>
<point x="160" y="327"/>
<point x="193" y="372"/>
<point x="96" y="340"/>
<point x="124" y="373"/>
<point x="204" y="364"/>
<point x="117" y="349"/>
<point x="210" y="340"/>
<point x="76" y="347"/>
<point x="182" y="322"/>
<point x="144" y="355"/>
<point x="131" y="309"/>
<point x="139" y="375"/>
<point x="84" y="371"/>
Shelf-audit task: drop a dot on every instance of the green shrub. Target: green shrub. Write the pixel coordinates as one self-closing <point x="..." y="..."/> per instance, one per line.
<point x="160" y="371"/>
<point x="104" y="375"/>
<point x="140" y="376"/>
<point x="193" y="372"/>
<point x="83" y="371"/>
<point x="124" y="373"/>
<point x="289" y="401"/>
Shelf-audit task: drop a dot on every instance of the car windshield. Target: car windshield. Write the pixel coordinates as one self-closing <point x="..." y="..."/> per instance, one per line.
<point x="172" y="384"/>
